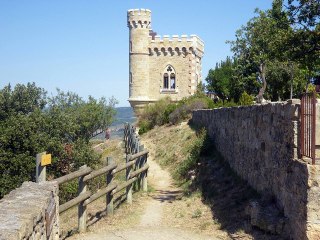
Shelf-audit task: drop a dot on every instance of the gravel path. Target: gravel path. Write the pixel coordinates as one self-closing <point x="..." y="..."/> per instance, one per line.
<point x="150" y="224"/>
<point x="155" y="233"/>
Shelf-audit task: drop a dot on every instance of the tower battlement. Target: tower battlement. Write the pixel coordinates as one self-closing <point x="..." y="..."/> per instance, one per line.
<point x="178" y="43"/>
<point x="139" y="18"/>
<point x="177" y="38"/>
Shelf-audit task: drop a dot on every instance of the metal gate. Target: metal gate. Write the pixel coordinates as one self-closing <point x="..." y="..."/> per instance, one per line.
<point x="308" y="126"/>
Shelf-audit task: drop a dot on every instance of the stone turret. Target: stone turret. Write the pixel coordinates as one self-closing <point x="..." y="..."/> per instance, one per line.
<point x="160" y="66"/>
<point x="139" y="23"/>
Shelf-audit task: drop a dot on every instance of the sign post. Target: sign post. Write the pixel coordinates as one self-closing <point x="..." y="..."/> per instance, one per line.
<point x="42" y="160"/>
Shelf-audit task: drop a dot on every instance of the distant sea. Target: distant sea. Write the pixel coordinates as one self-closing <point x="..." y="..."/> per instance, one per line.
<point x="124" y="115"/>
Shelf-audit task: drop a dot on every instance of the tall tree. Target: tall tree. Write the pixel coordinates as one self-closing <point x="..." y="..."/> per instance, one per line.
<point x="32" y="123"/>
<point x="263" y="40"/>
<point x="218" y="79"/>
<point x="305" y="42"/>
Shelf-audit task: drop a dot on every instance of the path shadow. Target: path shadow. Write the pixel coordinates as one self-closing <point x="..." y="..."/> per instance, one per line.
<point x="227" y="195"/>
<point x="167" y="195"/>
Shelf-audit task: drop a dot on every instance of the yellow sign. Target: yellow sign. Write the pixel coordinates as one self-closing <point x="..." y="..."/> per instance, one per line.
<point x="45" y="159"/>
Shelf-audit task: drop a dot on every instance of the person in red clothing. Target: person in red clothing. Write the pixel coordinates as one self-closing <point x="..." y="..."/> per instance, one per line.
<point x="108" y="133"/>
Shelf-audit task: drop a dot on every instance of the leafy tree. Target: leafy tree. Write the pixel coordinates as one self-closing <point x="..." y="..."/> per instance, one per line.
<point x="270" y="47"/>
<point x="61" y="125"/>
<point x="86" y="116"/>
<point x="305" y="42"/>
<point x="218" y="79"/>
<point x="262" y="40"/>
<point x="23" y="99"/>
<point x="305" y="13"/>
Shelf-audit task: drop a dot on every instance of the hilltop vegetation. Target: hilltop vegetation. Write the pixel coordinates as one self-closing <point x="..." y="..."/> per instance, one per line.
<point x="279" y="46"/>
<point x="166" y="111"/>
<point x="31" y="122"/>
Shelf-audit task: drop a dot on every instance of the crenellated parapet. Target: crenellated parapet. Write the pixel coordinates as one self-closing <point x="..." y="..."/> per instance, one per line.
<point x="176" y="44"/>
<point x="139" y="18"/>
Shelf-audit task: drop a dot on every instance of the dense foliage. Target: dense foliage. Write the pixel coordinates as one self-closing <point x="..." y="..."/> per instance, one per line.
<point x="166" y="111"/>
<point x="61" y="125"/>
<point x="278" y="47"/>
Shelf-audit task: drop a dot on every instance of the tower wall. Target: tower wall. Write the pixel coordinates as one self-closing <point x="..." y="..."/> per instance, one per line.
<point x="139" y="23"/>
<point x="184" y="54"/>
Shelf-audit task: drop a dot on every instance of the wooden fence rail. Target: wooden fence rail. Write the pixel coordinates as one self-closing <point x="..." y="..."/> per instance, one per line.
<point x="136" y="171"/>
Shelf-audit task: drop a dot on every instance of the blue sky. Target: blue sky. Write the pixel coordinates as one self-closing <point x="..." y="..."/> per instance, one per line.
<point x="82" y="45"/>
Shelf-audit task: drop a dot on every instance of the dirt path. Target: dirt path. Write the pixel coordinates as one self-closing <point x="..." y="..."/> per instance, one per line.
<point x="154" y="223"/>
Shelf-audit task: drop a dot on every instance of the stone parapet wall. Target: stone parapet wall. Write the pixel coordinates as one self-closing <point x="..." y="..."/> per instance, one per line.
<point x="30" y="212"/>
<point x="260" y="143"/>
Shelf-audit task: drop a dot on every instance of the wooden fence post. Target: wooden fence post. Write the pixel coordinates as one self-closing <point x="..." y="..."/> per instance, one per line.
<point x="40" y="170"/>
<point x="82" y="210"/>
<point x="136" y="184"/>
<point x="144" y="175"/>
<point x="129" y="188"/>
<point x="109" y="194"/>
<point x="125" y="137"/>
<point x="129" y="141"/>
<point x="138" y="166"/>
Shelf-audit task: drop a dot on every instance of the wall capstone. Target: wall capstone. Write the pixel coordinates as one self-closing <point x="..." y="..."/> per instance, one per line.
<point x="30" y="212"/>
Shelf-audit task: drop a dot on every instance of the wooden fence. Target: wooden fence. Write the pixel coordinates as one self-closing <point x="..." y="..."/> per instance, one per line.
<point x="136" y="171"/>
<point x="133" y="146"/>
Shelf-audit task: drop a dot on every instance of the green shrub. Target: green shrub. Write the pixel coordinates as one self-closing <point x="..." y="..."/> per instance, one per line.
<point x="144" y="126"/>
<point x="178" y="114"/>
<point x="164" y="111"/>
<point x="68" y="191"/>
<point x="169" y="109"/>
<point x="31" y="122"/>
<point x="155" y="114"/>
<point x="245" y="99"/>
<point x="183" y="111"/>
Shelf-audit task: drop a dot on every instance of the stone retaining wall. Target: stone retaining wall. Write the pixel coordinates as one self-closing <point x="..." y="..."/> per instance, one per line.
<point x="30" y="212"/>
<point x="260" y="144"/>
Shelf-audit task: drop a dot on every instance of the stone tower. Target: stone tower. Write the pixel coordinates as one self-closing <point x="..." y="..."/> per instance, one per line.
<point x="139" y="23"/>
<point x="160" y="66"/>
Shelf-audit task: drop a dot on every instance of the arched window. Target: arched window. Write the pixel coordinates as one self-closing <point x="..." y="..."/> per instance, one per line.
<point x="169" y="83"/>
<point x="130" y="78"/>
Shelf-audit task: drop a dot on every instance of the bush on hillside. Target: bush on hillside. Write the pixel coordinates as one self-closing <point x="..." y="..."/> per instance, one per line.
<point x="62" y="125"/>
<point x="246" y="99"/>
<point x="164" y="111"/>
<point x="155" y="114"/>
<point x="183" y="111"/>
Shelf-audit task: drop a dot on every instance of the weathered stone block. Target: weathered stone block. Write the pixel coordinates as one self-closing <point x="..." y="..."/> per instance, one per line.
<point x="25" y="211"/>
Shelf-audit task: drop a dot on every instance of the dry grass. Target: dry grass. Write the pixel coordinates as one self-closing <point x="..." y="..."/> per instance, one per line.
<point x="214" y="202"/>
<point x="169" y="146"/>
